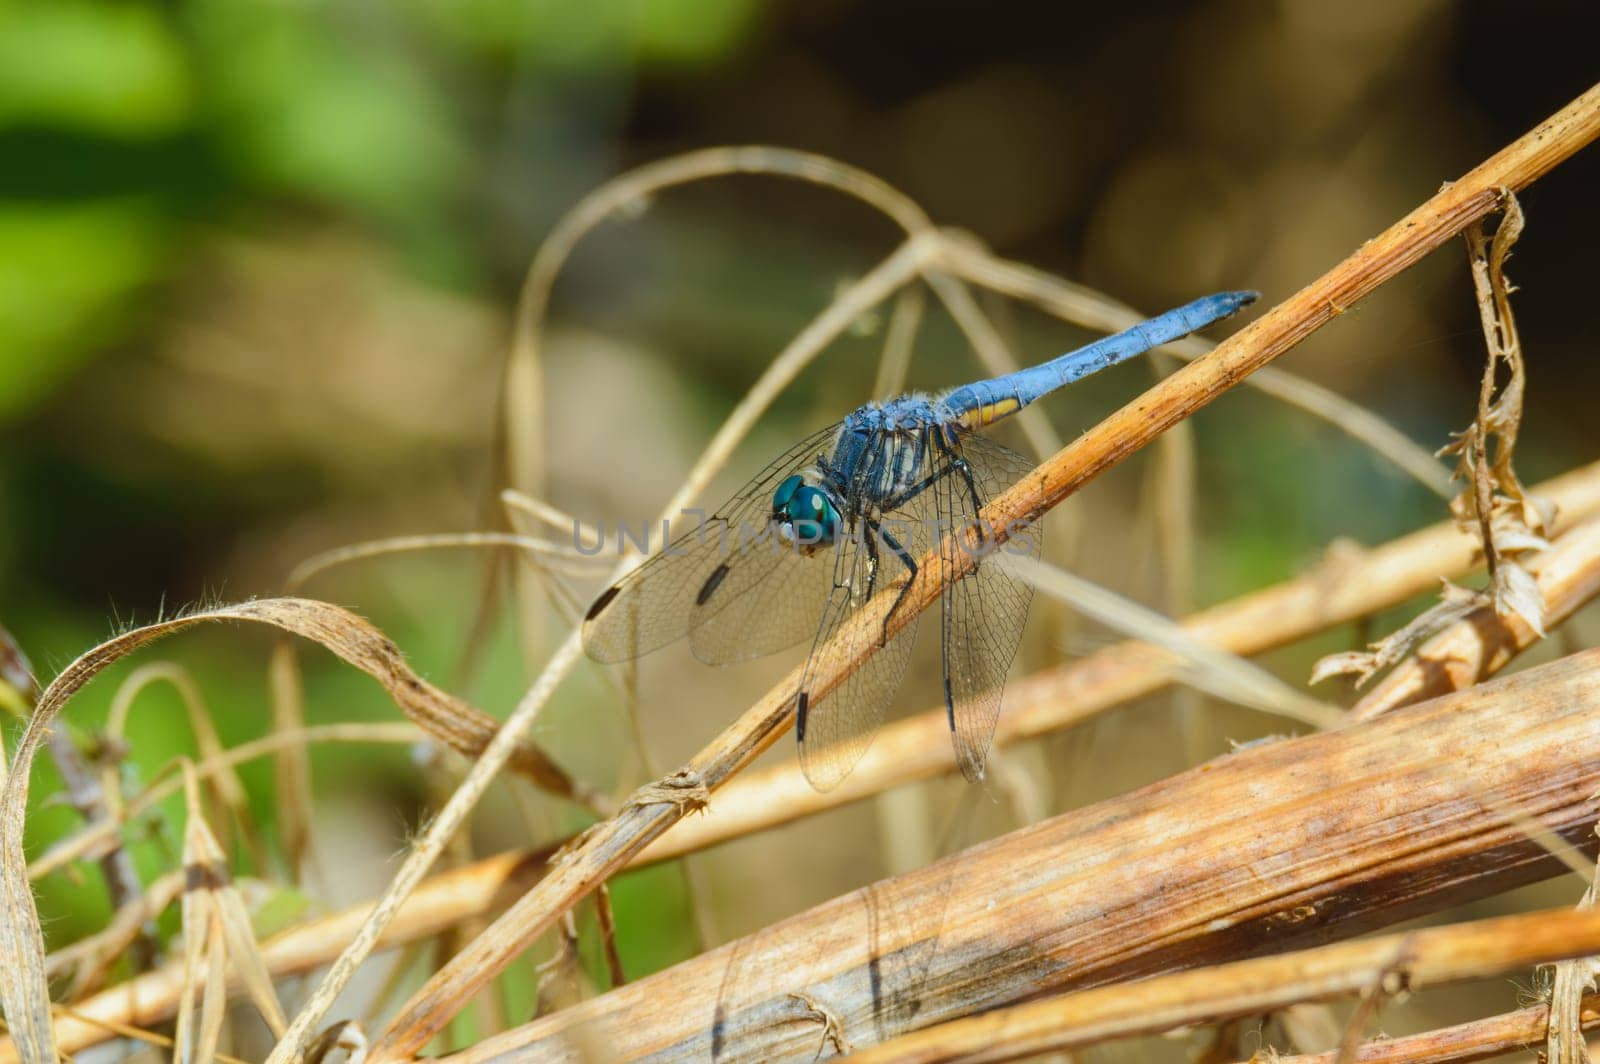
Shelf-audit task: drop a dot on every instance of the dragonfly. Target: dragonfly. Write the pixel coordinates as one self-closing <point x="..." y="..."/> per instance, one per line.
<point x="856" y="509"/>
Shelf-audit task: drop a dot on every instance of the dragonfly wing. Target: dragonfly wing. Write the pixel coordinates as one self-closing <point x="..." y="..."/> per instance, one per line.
<point x="836" y="727"/>
<point x="705" y="571"/>
<point x="984" y="611"/>
<point x="763" y="605"/>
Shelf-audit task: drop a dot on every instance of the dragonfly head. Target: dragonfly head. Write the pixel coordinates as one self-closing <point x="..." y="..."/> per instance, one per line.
<point x="806" y="515"/>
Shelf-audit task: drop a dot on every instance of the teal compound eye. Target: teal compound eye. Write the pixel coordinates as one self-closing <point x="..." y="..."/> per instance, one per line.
<point x="785" y="493"/>
<point x="807" y="514"/>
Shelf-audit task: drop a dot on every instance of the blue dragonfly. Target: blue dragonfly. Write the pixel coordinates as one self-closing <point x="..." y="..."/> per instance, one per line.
<point x="853" y="510"/>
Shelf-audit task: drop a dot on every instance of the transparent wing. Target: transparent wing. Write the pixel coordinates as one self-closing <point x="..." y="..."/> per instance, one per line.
<point x="773" y="602"/>
<point x="731" y="558"/>
<point x="836" y="727"/>
<point x="984" y="611"/>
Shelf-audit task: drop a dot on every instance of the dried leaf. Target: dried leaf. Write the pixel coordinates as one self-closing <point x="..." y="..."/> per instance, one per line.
<point x="196" y="916"/>
<point x="214" y="1003"/>
<point x="24" y="989"/>
<point x="1495" y="506"/>
<point x="222" y="920"/>
<point x="207" y="866"/>
<point x="291" y="769"/>
<point x="1565" y="1042"/>
<point x="1454" y="603"/>
<point x="1517" y="591"/>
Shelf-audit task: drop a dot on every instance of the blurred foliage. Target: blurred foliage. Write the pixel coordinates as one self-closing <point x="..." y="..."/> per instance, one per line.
<point x="127" y="123"/>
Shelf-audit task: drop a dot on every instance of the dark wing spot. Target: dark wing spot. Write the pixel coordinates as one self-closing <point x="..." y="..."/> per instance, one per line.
<point x="602" y="602"/>
<point x="713" y="582"/>
<point x="875" y="980"/>
<point x="949" y="703"/>
<point x="802" y="700"/>
<point x="719" y="1031"/>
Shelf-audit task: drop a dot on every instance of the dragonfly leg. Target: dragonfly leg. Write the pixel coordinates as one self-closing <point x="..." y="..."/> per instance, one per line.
<point x="875" y="531"/>
<point x="872" y="560"/>
<point x="959" y="464"/>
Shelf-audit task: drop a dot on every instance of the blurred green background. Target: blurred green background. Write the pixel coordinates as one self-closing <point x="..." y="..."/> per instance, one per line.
<point x="258" y="260"/>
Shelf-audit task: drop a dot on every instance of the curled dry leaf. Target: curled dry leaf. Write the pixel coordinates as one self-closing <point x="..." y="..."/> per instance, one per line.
<point x="209" y="882"/>
<point x="1565" y="1042"/>
<point x="24" y="988"/>
<point x="1494" y="505"/>
<point x="1454" y="603"/>
<point x="216" y="929"/>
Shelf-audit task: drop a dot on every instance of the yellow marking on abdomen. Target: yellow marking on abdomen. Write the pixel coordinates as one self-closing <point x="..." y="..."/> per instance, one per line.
<point x="989" y="413"/>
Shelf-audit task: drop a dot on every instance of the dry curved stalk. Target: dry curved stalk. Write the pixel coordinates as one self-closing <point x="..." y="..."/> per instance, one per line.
<point x="550" y="554"/>
<point x="291" y="769"/>
<point x="1272" y="847"/>
<point x="442" y="902"/>
<point x="94" y="799"/>
<point x="523" y="390"/>
<point x="22" y="983"/>
<point x="610" y="844"/>
<point x="229" y="789"/>
<point x="1412" y="960"/>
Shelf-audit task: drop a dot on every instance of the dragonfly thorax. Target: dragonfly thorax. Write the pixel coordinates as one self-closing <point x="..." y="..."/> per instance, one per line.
<point x="884" y="450"/>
